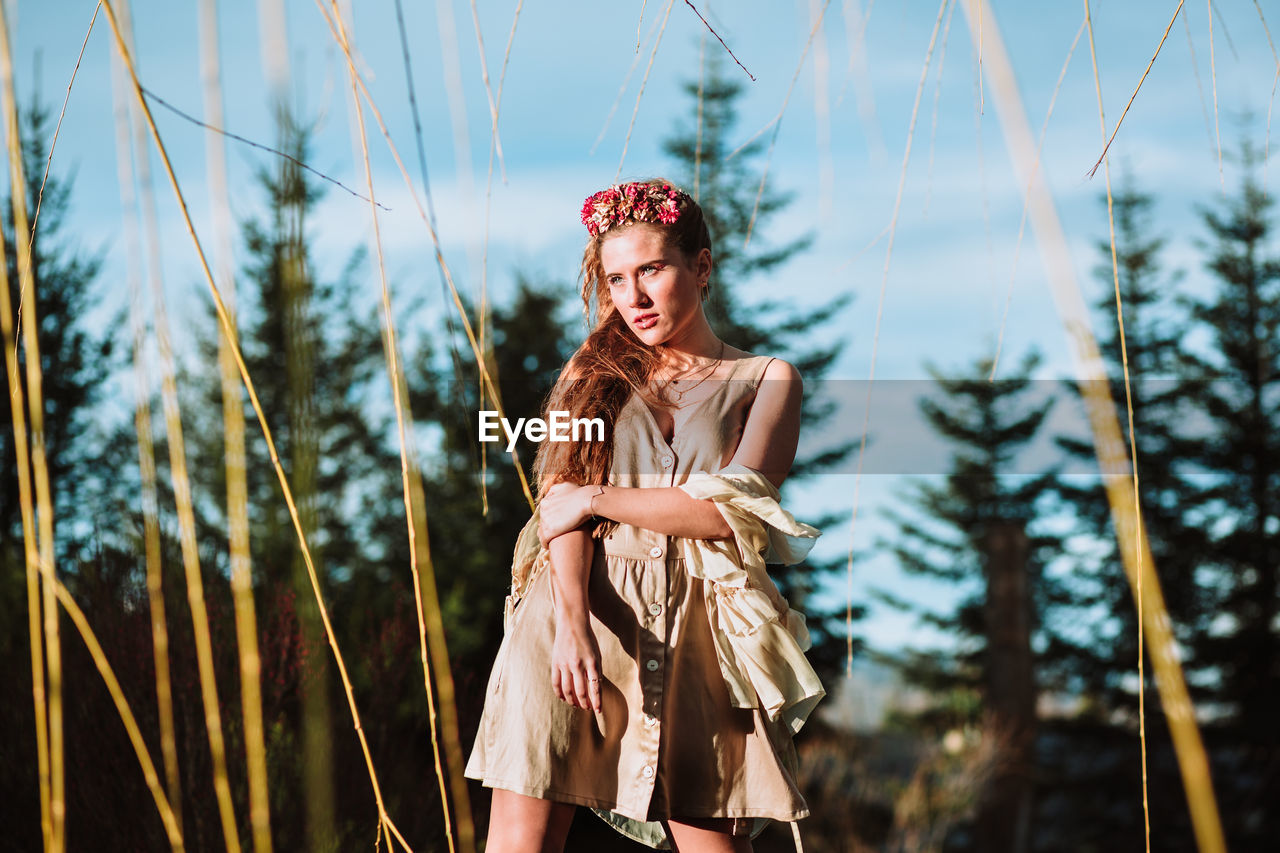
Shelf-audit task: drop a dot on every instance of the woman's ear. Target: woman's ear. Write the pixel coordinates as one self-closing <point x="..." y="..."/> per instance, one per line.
<point x="703" y="265"/>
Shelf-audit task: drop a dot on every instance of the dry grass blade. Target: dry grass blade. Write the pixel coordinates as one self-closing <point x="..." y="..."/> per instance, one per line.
<point x="426" y="598"/>
<point x="822" y="122"/>
<point x="267" y="148"/>
<point x="1026" y="201"/>
<point x="777" y="125"/>
<point x="1109" y="445"/>
<point x="496" y="139"/>
<point x="245" y="613"/>
<point x="1213" y="77"/>
<point x="1195" y="69"/>
<point x="189" y="546"/>
<point x="1137" y="89"/>
<point x="35" y="219"/>
<point x="488" y="385"/>
<point x="636" y="110"/>
<point x="1133" y="444"/>
<point x="1266" y="151"/>
<point x="639" y="24"/>
<point x="626" y="81"/>
<point x="225" y="323"/>
<point x="43" y="540"/>
<point x="167" y="814"/>
<point x="717" y="35"/>
<point x="146" y="448"/>
<point x="30" y="549"/>
<point x="937" y="95"/>
<point x="857" y="72"/>
<point x="875" y="340"/>
<point x="417" y="533"/>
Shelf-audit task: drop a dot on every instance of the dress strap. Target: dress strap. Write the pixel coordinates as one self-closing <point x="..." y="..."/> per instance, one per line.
<point x="755" y="370"/>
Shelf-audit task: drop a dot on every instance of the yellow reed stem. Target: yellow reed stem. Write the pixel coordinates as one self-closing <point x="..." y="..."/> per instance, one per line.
<point x="617" y="99"/>
<point x="777" y="124"/>
<point x="182" y="493"/>
<point x="225" y="323"/>
<point x="30" y="548"/>
<point x="488" y="385"/>
<point x="233" y="429"/>
<point x="1133" y="444"/>
<point x="39" y="460"/>
<point x="1113" y="459"/>
<point x="146" y="453"/>
<point x="495" y="137"/>
<point x="149" y="774"/>
<point x="937" y="97"/>
<point x="652" y="55"/>
<point x="1026" y="201"/>
<point x="415" y="515"/>
<point x="1213" y="77"/>
<point x="1138" y="88"/>
<point x="875" y="339"/>
<point x="822" y="120"/>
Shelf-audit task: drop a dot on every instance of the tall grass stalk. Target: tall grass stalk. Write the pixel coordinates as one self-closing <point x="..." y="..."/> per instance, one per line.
<point x="55" y="839"/>
<point x="30" y="548"/>
<point x="181" y="481"/>
<point x="488" y="385"/>
<point x="415" y="512"/>
<point x="224" y="320"/>
<point x="146" y="450"/>
<point x="1113" y="459"/>
<point x="233" y="430"/>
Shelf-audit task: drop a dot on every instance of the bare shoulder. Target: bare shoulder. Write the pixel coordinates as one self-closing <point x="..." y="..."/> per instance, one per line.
<point x="781" y="371"/>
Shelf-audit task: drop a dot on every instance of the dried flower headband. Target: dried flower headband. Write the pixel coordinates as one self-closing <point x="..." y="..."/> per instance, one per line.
<point x="633" y="202"/>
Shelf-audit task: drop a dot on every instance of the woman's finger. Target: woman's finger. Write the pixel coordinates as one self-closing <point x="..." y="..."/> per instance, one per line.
<point x="580" y="688"/>
<point x="556" y="685"/>
<point x="593" y="685"/>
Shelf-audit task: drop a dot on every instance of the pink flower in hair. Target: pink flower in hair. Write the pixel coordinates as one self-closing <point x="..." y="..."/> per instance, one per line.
<point x="631" y="202"/>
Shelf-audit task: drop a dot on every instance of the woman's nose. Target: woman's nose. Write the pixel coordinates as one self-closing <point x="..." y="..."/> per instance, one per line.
<point x="636" y="296"/>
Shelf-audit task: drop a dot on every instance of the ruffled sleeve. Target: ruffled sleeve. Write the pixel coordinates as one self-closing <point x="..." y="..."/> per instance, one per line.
<point x="760" y="641"/>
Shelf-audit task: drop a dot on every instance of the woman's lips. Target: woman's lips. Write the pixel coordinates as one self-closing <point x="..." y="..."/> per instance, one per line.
<point x="645" y="321"/>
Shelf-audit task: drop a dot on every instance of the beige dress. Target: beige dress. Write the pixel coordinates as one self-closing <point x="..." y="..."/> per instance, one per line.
<point x="671" y="741"/>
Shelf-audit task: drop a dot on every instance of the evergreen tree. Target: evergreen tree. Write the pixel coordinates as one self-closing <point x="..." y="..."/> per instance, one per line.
<point x="1099" y="656"/>
<point x="983" y="533"/>
<point x="726" y="190"/>
<point x="76" y="359"/>
<point x="314" y="350"/>
<point x="1240" y="450"/>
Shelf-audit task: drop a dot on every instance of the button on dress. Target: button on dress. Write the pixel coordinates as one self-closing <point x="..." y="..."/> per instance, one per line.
<point x="670" y="741"/>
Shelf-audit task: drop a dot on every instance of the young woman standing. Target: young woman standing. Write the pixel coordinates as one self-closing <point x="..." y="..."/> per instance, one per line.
<point x="650" y="669"/>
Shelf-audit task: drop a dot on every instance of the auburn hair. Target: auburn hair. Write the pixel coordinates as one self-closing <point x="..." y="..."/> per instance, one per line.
<point x="612" y="362"/>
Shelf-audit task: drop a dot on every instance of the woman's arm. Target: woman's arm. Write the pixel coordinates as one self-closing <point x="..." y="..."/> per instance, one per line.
<point x="768" y="445"/>
<point x="575" y="657"/>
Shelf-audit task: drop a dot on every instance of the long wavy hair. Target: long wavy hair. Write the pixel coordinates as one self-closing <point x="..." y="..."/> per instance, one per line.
<point x="612" y="362"/>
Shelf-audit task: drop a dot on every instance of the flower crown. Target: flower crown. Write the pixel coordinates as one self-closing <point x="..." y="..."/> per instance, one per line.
<point x="634" y="202"/>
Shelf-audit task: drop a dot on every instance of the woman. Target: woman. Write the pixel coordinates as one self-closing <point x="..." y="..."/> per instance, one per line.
<point x="677" y="673"/>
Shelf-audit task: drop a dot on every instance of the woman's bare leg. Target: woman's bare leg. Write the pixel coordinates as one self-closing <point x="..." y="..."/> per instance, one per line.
<point x="713" y="835"/>
<point x="520" y="824"/>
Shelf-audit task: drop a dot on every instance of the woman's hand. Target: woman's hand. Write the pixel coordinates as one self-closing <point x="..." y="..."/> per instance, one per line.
<point x="564" y="507"/>
<point x="575" y="664"/>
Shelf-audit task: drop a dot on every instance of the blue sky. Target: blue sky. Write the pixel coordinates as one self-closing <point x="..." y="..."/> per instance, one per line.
<point x="952" y="261"/>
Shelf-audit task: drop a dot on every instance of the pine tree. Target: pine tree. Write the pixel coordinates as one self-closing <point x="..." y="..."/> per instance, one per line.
<point x="1099" y="657"/>
<point x="726" y="189"/>
<point x="1240" y="450"/>
<point x="76" y="359"/>
<point x="982" y="532"/>
<point x="313" y="348"/>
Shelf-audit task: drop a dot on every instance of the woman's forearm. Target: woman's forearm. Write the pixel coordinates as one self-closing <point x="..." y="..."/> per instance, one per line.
<point x="571" y="555"/>
<point x="670" y="511"/>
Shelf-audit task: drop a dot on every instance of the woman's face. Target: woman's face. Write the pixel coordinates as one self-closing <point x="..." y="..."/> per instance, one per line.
<point x="652" y="285"/>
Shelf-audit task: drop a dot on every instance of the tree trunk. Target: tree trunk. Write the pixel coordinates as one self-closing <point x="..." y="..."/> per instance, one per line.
<point x="1004" y="817"/>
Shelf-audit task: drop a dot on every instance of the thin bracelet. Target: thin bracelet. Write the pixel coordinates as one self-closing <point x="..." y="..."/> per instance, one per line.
<point x="591" y="504"/>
